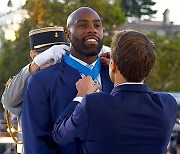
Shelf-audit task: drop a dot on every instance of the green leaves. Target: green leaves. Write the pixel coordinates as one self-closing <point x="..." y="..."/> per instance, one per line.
<point x="166" y="72"/>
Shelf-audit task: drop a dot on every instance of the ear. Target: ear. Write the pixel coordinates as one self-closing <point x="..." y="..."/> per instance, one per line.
<point x="33" y="54"/>
<point x="67" y="35"/>
<point x="113" y="66"/>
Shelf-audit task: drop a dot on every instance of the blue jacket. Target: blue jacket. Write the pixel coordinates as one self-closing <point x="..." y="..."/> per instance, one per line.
<point x="47" y="93"/>
<point x="130" y="120"/>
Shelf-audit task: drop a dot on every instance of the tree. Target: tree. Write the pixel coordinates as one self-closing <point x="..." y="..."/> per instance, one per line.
<point x="110" y="12"/>
<point x="138" y="8"/>
<point x="36" y="10"/>
<point x="166" y="72"/>
<point x="54" y="12"/>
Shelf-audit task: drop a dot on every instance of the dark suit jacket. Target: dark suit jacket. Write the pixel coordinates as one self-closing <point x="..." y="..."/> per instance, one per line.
<point x="130" y="120"/>
<point x="47" y="93"/>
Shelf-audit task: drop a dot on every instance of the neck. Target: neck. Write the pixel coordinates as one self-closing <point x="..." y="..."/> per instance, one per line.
<point x="86" y="58"/>
<point x="119" y="79"/>
<point x="119" y="82"/>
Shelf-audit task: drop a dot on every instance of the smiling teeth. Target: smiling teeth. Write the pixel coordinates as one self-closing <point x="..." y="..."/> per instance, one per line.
<point x="92" y="40"/>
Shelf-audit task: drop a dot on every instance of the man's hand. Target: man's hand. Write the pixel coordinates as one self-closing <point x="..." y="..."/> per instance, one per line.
<point x="53" y="54"/>
<point x="105" y="59"/>
<point x="86" y="86"/>
<point x="33" y="67"/>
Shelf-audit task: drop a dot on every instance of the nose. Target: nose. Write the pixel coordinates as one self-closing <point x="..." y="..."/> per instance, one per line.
<point x="92" y="29"/>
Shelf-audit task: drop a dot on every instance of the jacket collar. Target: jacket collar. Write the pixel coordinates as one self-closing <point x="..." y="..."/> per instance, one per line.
<point x="132" y="88"/>
<point x="69" y="76"/>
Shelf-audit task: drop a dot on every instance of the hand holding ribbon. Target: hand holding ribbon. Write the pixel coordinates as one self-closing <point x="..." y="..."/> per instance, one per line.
<point x="86" y="86"/>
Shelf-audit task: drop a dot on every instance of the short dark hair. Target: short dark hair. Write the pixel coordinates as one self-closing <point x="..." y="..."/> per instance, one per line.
<point x="134" y="55"/>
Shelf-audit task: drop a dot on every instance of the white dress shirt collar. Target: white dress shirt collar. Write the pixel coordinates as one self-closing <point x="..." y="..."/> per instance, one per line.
<point x="129" y="83"/>
<point x="83" y="63"/>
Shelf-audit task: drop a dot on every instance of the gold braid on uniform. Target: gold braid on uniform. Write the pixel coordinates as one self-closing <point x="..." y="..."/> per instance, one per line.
<point x="9" y="123"/>
<point x="10" y="127"/>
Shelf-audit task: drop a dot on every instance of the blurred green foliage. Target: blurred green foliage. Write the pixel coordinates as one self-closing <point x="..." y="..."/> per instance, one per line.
<point x="166" y="73"/>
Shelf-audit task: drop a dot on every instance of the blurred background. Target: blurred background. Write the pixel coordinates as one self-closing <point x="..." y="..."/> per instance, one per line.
<point x="157" y="18"/>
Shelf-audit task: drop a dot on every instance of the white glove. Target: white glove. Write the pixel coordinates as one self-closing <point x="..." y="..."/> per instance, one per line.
<point x="52" y="54"/>
<point x="105" y="49"/>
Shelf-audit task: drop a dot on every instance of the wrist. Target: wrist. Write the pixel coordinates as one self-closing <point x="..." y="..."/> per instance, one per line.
<point x="81" y="94"/>
<point x="33" y="68"/>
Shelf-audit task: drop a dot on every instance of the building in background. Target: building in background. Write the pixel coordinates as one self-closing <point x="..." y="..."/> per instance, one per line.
<point x="164" y="28"/>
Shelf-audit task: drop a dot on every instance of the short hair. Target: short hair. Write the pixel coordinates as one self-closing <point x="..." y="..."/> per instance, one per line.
<point x="134" y="55"/>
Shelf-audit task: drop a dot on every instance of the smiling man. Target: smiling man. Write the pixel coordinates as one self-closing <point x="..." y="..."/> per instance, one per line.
<point x="85" y="35"/>
<point x="49" y="91"/>
<point x="85" y="42"/>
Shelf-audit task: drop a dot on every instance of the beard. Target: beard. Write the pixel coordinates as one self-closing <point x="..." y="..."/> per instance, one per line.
<point x="86" y="50"/>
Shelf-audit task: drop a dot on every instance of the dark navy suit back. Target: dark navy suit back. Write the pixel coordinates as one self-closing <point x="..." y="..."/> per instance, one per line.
<point x="132" y="120"/>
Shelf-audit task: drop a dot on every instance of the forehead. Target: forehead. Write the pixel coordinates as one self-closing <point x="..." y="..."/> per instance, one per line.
<point x="85" y="15"/>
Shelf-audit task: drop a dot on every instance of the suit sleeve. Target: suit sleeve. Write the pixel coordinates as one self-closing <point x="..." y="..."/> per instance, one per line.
<point x="36" y="119"/>
<point x="66" y="129"/>
<point x="13" y="95"/>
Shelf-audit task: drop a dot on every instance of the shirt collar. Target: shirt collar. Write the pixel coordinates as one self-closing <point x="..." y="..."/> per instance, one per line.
<point x="129" y="83"/>
<point x="83" y="63"/>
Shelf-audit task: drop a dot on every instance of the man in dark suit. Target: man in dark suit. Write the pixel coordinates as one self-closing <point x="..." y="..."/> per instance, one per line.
<point x="48" y="92"/>
<point x="132" y="119"/>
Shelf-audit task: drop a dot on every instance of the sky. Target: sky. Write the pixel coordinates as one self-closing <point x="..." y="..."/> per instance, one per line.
<point x="172" y="5"/>
<point x="161" y="5"/>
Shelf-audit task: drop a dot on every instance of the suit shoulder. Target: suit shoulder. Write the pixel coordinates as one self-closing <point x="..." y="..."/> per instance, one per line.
<point x="47" y="72"/>
<point x="45" y="76"/>
<point x="99" y="97"/>
<point x="165" y="97"/>
<point x="99" y="94"/>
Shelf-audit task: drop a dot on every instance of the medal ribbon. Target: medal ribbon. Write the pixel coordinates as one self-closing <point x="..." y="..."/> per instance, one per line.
<point x="83" y="69"/>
